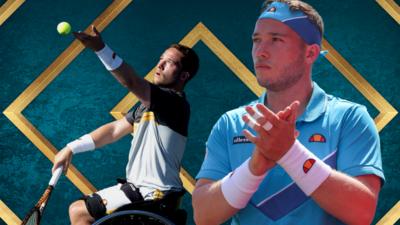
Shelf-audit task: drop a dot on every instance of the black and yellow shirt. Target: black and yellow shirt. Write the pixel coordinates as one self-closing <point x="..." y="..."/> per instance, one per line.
<point x="160" y="133"/>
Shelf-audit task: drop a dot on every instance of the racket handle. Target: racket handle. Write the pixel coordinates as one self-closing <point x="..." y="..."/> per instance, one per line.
<point x="56" y="175"/>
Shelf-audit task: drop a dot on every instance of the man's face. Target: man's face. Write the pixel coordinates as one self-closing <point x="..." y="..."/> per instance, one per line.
<point x="169" y="68"/>
<point x="278" y="55"/>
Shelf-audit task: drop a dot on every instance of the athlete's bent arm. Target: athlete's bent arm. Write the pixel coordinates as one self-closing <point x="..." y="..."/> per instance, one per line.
<point x="351" y="199"/>
<point x="111" y="132"/>
<point x="103" y="135"/>
<point x="124" y="73"/>
<point x="128" y="77"/>
<point x="213" y="201"/>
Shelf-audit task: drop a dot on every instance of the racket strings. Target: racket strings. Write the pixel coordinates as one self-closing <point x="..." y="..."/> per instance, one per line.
<point x="33" y="219"/>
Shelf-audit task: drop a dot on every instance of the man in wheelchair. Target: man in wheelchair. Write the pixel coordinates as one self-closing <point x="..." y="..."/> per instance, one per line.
<point x="159" y="126"/>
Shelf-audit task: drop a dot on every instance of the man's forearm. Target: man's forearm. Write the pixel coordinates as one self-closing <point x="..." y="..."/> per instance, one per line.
<point x="110" y="133"/>
<point x="113" y="63"/>
<point x="231" y="193"/>
<point x="350" y="199"/>
<point x="123" y="72"/>
<point x="337" y="193"/>
<point x="127" y="76"/>
<point x="209" y="204"/>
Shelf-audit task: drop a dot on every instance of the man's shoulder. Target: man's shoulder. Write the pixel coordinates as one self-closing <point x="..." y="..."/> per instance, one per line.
<point x="345" y="108"/>
<point x="167" y="96"/>
<point x="342" y="104"/>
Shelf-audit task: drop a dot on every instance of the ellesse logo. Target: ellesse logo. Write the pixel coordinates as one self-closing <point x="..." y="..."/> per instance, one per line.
<point x="308" y="164"/>
<point x="317" y="138"/>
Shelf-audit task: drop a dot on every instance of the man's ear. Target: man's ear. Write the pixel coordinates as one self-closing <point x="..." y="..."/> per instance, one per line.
<point x="185" y="76"/>
<point x="312" y="53"/>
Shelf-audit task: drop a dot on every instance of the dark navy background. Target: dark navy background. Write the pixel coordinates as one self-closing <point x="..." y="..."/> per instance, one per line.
<point x="81" y="97"/>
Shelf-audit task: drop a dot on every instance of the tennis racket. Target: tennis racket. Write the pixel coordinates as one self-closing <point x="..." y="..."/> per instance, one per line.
<point x="35" y="214"/>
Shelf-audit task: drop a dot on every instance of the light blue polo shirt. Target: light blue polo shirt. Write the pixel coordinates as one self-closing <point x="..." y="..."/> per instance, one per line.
<point x="339" y="132"/>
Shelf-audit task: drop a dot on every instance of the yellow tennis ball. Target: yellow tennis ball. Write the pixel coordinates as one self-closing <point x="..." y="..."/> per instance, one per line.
<point x="64" y="28"/>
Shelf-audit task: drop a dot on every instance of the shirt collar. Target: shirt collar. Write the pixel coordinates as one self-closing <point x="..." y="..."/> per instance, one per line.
<point x="315" y="107"/>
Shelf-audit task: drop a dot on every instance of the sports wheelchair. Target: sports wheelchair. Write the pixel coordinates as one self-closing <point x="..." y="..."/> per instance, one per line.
<point x="164" y="211"/>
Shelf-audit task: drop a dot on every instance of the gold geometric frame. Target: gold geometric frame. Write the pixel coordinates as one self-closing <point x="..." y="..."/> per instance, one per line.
<point x="199" y="32"/>
<point x="8" y="8"/>
<point x="391" y="8"/>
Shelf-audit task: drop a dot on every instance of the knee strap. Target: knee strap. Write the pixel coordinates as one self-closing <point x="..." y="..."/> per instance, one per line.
<point x="131" y="192"/>
<point x="95" y="205"/>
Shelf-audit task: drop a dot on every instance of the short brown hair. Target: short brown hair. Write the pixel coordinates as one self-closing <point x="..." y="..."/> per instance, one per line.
<point x="190" y="60"/>
<point x="307" y="9"/>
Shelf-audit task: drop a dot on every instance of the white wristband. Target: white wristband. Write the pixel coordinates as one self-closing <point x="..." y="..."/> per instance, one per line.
<point x="238" y="186"/>
<point x="83" y="144"/>
<point x="307" y="170"/>
<point x="109" y="58"/>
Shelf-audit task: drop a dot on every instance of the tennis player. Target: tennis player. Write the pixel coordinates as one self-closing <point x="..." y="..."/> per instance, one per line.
<point x="259" y="170"/>
<point x="159" y="125"/>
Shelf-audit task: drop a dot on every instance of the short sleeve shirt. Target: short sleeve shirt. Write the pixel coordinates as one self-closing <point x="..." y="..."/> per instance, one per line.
<point x="339" y="132"/>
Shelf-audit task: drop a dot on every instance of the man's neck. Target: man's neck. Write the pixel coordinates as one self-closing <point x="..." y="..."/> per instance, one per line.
<point x="176" y="87"/>
<point x="301" y="91"/>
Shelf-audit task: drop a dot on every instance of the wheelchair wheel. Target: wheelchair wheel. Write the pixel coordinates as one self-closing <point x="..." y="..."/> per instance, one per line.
<point x="133" y="217"/>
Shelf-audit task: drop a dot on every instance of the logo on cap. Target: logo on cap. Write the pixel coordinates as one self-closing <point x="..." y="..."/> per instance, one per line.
<point x="272" y="9"/>
<point x="308" y="164"/>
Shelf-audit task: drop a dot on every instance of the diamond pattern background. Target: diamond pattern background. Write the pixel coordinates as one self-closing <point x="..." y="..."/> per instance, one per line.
<point x="83" y="94"/>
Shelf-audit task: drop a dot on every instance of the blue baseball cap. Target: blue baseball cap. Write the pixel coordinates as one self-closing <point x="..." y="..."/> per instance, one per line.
<point x="295" y="19"/>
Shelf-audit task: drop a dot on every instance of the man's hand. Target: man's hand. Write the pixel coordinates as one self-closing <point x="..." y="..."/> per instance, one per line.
<point x="92" y="41"/>
<point x="63" y="158"/>
<point x="274" y="143"/>
<point x="258" y="164"/>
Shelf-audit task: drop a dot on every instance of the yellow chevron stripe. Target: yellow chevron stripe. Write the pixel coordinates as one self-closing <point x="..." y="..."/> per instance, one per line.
<point x="147" y="116"/>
